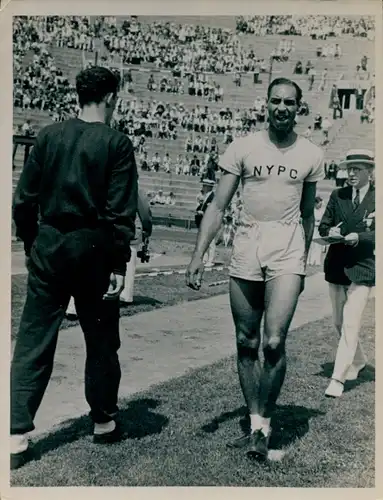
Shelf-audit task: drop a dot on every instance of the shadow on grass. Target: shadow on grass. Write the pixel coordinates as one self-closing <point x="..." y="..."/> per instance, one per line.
<point x="141" y="300"/>
<point x="289" y="423"/>
<point x="366" y="375"/>
<point x="137" y="419"/>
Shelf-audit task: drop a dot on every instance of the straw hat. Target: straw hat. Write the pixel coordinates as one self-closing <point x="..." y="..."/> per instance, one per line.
<point x="208" y="182"/>
<point x="358" y="156"/>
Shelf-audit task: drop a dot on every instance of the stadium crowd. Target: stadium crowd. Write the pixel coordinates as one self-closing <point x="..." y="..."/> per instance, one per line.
<point x="182" y="48"/>
<point x="317" y="27"/>
<point x="179" y="47"/>
<point x="185" y="49"/>
<point x="39" y="84"/>
<point x="188" y="164"/>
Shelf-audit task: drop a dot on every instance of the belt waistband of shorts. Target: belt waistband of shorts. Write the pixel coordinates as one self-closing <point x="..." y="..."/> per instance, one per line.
<point x="258" y="223"/>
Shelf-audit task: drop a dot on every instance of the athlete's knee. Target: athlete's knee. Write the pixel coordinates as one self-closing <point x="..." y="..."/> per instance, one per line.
<point x="246" y="351"/>
<point x="247" y="343"/>
<point x="274" y="349"/>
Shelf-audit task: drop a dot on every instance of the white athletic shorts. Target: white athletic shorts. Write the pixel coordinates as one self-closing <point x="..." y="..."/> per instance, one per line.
<point x="265" y="250"/>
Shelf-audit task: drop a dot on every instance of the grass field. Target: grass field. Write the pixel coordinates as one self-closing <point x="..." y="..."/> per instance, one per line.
<point x="178" y="430"/>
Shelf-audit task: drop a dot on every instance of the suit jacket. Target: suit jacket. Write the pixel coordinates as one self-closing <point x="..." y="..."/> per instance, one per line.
<point x="345" y="264"/>
<point x="202" y="208"/>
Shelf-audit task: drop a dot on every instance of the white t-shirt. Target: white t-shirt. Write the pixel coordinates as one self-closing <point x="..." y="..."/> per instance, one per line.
<point x="272" y="178"/>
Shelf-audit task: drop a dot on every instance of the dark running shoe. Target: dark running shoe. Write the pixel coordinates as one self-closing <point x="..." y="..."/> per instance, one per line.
<point x="71" y="316"/>
<point x="240" y="442"/>
<point x="115" y="436"/>
<point x="258" y="446"/>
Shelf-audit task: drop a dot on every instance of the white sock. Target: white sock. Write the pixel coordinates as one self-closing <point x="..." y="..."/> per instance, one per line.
<point x="260" y="423"/>
<point x="104" y="428"/>
<point x="19" y="443"/>
<point x="256" y="422"/>
<point x="266" y="426"/>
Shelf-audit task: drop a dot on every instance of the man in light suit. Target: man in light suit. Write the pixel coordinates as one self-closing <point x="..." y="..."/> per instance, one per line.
<point x="350" y="266"/>
<point x="145" y="215"/>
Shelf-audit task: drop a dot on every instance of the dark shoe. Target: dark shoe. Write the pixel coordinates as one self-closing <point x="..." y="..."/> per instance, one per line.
<point x="355" y="371"/>
<point x="258" y="446"/>
<point x="71" y="316"/>
<point x="114" y="436"/>
<point x="240" y="442"/>
<point x="20" y="459"/>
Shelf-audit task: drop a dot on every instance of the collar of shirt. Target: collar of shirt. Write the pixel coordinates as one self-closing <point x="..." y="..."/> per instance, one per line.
<point x="206" y="196"/>
<point x="362" y="192"/>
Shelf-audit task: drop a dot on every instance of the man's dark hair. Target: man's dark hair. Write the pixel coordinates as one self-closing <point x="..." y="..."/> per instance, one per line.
<point x="285" y="81"/>
<point x="94" y="83"/>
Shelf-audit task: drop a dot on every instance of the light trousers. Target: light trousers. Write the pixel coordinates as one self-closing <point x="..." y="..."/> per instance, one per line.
<point x="210" y="254"/>
<point x="127" y="292"/>
<point x="348" y="304"/>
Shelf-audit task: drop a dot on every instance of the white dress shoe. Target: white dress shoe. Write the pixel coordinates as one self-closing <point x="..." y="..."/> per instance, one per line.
<point x="335" y="389"/>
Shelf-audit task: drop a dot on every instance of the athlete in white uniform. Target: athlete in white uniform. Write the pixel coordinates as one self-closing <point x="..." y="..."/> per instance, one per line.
<point x="278" y="171"/>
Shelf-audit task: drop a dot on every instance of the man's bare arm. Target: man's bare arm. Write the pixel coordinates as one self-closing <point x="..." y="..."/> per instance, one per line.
<point x="212" y="219"/>
<point x="307" y="212"/>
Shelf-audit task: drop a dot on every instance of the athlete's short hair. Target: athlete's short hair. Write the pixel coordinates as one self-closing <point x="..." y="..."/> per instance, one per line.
<point x="285" y="81"/>
<point x="94" y="83"/>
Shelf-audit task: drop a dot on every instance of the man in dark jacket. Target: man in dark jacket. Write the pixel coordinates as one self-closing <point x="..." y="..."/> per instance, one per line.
<point x="350" y="265"/>
<point x="332" y="170"/>
<point x="145" y="215"/>
<point x="81" y="179"/>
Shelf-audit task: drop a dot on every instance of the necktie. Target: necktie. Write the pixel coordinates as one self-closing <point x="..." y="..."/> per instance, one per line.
<point x="356" y="200"/>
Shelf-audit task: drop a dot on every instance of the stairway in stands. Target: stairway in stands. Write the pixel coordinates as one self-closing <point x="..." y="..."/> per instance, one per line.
<point x="353" y="135"/>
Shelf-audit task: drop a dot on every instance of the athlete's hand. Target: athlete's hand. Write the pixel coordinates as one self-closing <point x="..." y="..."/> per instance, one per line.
<point x="116" y="286"/>
<point x="194" y="273"/>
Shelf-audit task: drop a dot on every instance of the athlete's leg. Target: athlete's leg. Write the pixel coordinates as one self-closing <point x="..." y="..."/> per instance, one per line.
<point x="281" y="297"/>
<point x="246" y="300"/>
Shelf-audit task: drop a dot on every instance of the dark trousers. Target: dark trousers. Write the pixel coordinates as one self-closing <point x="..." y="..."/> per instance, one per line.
<point x="336" y="110"/>
<point x="74" y="263"/>
<point x="359" y="102"/>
